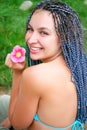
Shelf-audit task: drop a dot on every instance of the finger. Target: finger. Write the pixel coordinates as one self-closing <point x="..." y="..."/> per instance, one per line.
<point x="8" y="61"/>
<point x="19" y="66"/>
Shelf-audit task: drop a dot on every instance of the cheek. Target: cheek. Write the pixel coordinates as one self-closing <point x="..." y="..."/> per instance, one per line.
<point x="27" y="36"/>
<point x="57" y="41"/>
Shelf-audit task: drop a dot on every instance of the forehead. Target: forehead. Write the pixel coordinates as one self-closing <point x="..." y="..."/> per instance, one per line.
<point x="42" y="18"/>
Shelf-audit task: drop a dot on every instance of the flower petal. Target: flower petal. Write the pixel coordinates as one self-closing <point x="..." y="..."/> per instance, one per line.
<point x="18" y="54"/>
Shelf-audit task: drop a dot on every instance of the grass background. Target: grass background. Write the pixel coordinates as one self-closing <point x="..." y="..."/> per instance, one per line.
<point x="13" y="27"/>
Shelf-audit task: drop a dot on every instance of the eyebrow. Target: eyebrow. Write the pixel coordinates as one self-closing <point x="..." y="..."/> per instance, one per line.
<point x="29" y="25"/>
<point x="41" y="28"/>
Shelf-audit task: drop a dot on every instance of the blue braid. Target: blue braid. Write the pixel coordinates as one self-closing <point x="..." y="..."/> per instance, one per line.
<point x="68" y="27"/>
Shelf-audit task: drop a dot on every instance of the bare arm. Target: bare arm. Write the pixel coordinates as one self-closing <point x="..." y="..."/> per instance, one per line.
<point x="17" y="72"/>
<point x="24" y="99"/>
<point x="27" y="103"/>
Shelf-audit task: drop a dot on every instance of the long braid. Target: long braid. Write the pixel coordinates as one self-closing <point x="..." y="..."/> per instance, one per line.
<point x="72" y="45"/>
<point x="67" y="25"/>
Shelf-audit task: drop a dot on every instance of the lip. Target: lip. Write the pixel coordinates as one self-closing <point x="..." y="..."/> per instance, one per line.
<point x="34" y="50"/>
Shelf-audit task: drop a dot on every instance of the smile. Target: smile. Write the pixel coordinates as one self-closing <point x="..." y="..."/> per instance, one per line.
<point x="34" y="49"/>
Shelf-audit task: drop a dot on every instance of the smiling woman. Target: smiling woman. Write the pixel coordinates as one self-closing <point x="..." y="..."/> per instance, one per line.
<point x="52" y="94"/>
<point x="40" y="36"/>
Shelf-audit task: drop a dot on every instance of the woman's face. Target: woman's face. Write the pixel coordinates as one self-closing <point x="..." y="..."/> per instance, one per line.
<point x="41" y="37"/>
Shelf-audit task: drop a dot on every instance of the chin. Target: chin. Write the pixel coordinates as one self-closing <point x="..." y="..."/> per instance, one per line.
<point x="34" y="58"/>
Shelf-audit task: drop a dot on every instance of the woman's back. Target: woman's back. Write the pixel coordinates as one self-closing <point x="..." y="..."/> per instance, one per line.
<point x="58" y="99"/>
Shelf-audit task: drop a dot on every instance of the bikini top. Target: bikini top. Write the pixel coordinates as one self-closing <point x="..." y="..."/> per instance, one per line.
<point x="76" y="125"/>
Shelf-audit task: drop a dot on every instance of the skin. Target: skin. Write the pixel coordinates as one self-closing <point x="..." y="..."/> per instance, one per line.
<point x="40" y="36"/>
<point x="46" y="88"/>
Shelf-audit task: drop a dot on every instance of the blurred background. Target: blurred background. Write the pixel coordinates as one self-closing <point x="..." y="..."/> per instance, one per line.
<point x="13" y="18"/>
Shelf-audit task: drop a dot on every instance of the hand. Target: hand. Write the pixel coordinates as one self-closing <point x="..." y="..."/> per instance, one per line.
<point x="14" y="66"/>
<point x="6" y="123"/>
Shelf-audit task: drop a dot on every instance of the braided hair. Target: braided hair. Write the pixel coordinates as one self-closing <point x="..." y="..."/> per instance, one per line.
<point x="68" y="27"/>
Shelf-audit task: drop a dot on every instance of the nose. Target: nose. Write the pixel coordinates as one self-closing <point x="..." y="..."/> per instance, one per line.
<point x="31" y="38"/>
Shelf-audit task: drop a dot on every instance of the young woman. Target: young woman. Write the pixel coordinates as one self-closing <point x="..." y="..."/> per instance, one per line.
<point x="50" y="95"/>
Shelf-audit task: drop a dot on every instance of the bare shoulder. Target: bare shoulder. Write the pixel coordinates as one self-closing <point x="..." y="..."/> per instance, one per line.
<point x="44" y="75"/>
<point x="34" y="76"/>
<point x="34" y="72"/>
<point x="41" y="72"/>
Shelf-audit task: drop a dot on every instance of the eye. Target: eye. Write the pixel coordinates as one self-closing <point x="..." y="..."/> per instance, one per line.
<point x="29" y="29"/>
<point x="43" y="33"/>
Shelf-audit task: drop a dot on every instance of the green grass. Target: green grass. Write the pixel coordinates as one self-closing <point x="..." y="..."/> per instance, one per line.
<point x="13" y="27"/>
<point x="12" y="32"/>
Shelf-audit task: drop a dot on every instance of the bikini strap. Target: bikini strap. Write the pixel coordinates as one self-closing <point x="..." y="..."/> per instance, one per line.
<point x="76" y="125"/>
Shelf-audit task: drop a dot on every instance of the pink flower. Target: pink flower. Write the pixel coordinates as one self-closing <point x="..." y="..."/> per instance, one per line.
<point x="18" y="54"/>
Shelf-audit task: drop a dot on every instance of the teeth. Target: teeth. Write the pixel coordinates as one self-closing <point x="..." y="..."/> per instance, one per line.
<point x="35" y="49"/>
